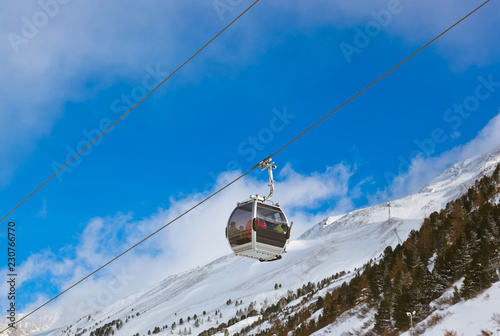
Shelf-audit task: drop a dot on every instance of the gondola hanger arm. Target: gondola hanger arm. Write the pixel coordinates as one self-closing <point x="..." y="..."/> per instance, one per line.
<point x="269" y="165"/>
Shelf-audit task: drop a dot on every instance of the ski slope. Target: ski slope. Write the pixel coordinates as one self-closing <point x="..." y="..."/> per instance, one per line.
<point x="336" y="244"/>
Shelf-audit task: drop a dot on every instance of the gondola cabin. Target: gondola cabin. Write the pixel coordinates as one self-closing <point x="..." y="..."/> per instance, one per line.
<point x="258" y="230"/>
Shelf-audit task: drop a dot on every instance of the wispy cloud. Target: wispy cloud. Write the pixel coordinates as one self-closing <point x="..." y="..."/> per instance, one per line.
<point x="62" y="54"/>
<point x="43" y="211"/>
<point x="68" y="46"/>
<point x="422" y="170"/>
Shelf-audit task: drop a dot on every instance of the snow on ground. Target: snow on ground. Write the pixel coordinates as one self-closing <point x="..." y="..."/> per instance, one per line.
<point x="330" y="247"/>
<point x="432" y="260"/>
<point x="240" y="325"/>
<point x="466" y="318"/>
<point x="320" y="226"/>
<point x="445" y="187"/>
<point x="350" y="323"/>
<point x="35" y="324"/>
<point x="470" y="317"/>
<point x="208" y="288"/>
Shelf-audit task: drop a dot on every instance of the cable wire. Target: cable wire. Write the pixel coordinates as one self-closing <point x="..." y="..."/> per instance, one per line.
<point x="133" y="107"/>
<point x="135" y="245"/>
<point x="246" y="173"/>
<point x="380" y="78"/>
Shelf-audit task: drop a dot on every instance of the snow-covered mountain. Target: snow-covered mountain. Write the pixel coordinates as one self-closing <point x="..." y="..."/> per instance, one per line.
<point x="36" y="324"/>
<point x="477" y="316"/>
<point x="337" y="244"/>
<point x="448" y="185"/>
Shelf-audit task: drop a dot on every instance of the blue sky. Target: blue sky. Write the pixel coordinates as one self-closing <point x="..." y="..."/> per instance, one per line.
<point x="273" y="74"/>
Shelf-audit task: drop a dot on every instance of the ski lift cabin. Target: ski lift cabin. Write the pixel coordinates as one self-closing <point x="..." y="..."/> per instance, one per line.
<point x="258" y="229"/>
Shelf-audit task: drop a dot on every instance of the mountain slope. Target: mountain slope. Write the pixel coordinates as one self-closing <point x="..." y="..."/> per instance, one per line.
<point x="445" y="187"/>
<point x="466" y="318"/>
<point x="331" y="247"/>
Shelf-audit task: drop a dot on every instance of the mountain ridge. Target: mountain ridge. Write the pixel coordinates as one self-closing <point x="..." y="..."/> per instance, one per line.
<point x="329" y="247"/>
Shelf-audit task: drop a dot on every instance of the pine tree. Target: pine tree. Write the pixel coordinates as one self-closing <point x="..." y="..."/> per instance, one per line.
<point x="475" y="278"/>
<point x="319" y="304"/>
<point x="425" y="240"/>
<point x="404" y="303"/>
<point x="383" y="317"/>
<point x="458" y="219"/>
<point x="422" y="289"/>
<point x="443" y="270"/>
<point x="375" y="280"/>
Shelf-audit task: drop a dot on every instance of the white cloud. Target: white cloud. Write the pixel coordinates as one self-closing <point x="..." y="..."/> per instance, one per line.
<point x="74" y="47"/>
<point x="423" y="170"/>
<point x="43" y="211"/>
<point x="81" y="39"/>
<point x="306" y="191"/>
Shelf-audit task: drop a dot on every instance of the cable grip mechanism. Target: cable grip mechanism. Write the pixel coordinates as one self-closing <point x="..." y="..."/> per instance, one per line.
<point x="269" y="165"/>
